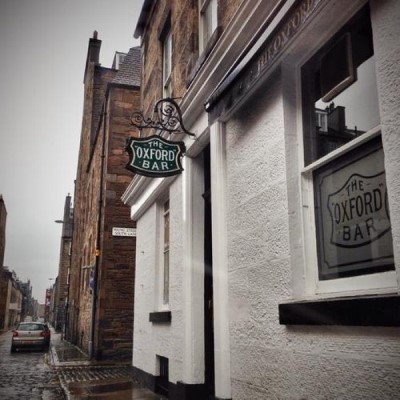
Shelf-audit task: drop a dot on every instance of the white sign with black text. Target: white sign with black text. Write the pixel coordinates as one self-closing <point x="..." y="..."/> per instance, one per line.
<point x="131" y="232"/>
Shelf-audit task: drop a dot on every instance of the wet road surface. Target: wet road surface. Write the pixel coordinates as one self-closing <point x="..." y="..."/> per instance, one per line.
<point x="26" y="374"/>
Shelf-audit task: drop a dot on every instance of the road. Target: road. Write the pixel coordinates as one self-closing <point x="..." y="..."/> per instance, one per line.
<point x="26" y="374"/>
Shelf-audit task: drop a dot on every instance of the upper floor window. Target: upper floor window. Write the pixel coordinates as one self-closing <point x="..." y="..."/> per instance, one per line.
<point x="208" y="21"/>
<point x="345" y="162"/>
<point x="167" y="64"/>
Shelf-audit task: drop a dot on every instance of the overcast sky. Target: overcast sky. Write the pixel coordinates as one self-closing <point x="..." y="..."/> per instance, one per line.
<point x="43" y="47"/>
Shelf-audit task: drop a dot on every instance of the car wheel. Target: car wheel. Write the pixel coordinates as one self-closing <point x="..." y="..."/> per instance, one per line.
<point x="13" y="349"/>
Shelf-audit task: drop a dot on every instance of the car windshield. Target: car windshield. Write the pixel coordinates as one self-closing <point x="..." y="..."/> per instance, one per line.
<point x="31" y="327"/>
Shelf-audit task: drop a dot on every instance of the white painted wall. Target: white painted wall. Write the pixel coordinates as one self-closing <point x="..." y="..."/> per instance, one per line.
<point x="264" y="246"/>
<point x="153" y="339"/>
<point x="269" y="360"/>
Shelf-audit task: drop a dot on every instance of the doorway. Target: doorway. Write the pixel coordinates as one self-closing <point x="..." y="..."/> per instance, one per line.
<point x="208" y="279"/>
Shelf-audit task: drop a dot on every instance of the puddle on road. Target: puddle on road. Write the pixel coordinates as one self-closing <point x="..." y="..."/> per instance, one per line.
<point x="70" y="354"/>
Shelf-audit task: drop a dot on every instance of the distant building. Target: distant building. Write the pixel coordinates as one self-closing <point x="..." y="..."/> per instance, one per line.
<point x="27" y="299"/>
<point x="48" y="310"/>
<point x="61" y="290"/>
<point x="101" y="291"/>
<point x="3" y="220"/>
<point x="11" y="298"/>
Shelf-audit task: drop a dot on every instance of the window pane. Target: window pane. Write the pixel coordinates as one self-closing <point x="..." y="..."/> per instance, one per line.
<point x="340" y="88"/>
<point x="352" y="213"/>
<point x="166" y="253"/>
<point x="340" y="103"/>
<point x="166" y="58"/>
<point x="208" y="20"/>
<point x="166" y="278"/>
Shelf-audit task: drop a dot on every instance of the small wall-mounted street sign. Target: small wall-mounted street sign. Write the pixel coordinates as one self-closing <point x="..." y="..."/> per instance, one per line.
<point x="155" y="156"/>
<point x="129" y="232"/>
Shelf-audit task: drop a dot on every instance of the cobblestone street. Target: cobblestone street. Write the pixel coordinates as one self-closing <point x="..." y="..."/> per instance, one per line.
<point x="81" y="379"/>
<point x="26" y="374"/>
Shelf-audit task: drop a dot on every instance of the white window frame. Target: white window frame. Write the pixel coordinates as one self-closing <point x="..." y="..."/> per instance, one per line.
<point x="163" y="274"/>
<point x="205" y="29"/>
<point x="167" y="64"/>
<point x="377" y="283"/>
<point x="306" y="284"/>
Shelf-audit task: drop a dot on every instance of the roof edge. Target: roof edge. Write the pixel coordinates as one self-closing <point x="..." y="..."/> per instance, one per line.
<point x="143" y="17"/>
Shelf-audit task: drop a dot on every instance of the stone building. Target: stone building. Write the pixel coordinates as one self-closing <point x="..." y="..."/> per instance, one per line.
<point x="27" y="308"/>
<point x="3" y="221"/>
<point x="61" y="289"/>
<point x="269" y="268"/>
<point x="10" y="300"/>
<point x="100" y="304"/>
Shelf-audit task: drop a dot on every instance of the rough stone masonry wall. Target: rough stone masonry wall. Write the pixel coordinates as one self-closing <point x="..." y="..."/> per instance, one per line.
<point x="185" y="45"/>
<point x="118" y="253"/>
<point x="86" y="205"/>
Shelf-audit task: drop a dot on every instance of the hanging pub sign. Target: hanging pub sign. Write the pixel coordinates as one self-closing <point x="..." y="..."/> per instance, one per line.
<point x="155" y="156"/>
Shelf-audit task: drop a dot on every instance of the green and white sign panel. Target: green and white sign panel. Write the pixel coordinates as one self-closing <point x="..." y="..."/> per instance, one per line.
<point x="155" y="156"/>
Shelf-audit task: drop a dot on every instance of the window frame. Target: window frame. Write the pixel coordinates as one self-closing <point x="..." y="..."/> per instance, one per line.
<point x="163" y="281"/>
<point x="166" y="63"/>
<point x="205" y="31"/>
<point x="375" y="283"/>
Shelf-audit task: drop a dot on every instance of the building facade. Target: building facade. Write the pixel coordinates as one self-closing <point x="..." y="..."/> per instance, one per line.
<point x="3" y="221"/>
<point x="100" y="301"/>
<point x="10" y="300"/>
<point x="62" y="283"/>
<point x="269" y="268"/>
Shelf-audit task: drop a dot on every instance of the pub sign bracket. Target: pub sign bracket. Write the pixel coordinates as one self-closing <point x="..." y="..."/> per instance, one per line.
<point x="167" y="117"/>
<point x="155" y="156"/>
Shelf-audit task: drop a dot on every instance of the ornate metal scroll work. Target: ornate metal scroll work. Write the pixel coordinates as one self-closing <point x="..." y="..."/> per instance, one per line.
<point x="167" y="116"/>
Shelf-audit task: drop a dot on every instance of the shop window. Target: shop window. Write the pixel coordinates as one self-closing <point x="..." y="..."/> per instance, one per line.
<point x="344" y="161"/>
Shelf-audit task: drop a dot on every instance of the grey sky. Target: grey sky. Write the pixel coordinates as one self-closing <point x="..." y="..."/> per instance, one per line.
<point x="43" y="45"/>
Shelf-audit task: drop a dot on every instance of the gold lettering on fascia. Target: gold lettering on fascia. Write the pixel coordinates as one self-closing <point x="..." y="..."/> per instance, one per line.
<point x="277" y="43"/>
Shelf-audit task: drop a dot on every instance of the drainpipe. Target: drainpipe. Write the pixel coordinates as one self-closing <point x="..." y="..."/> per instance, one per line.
<point x="98" y="238"/>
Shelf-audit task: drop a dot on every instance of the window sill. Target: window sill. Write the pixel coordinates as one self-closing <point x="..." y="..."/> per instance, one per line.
<point x="160" y="317"/>
<point x="356" y="311"/>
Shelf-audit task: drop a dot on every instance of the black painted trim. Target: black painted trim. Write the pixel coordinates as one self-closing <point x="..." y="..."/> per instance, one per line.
<point x="355" y="311"/>
<point x="160" y="316"/>
<point x="144" y="378"/>
<point x="185" y="391"/>
<point x="178" y="391"/>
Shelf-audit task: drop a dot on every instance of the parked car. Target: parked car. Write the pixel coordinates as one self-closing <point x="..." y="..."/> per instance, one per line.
<point x="30" y="335"/>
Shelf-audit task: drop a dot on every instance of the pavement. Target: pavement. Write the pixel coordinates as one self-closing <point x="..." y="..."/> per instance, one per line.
<point x="82" y="378"/>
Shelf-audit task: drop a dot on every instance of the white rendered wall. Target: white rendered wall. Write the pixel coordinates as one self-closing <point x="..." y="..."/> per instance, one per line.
<point x="153" y="339"/>
<point x="386" y="29"/>
<point x="269" y="360"/>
